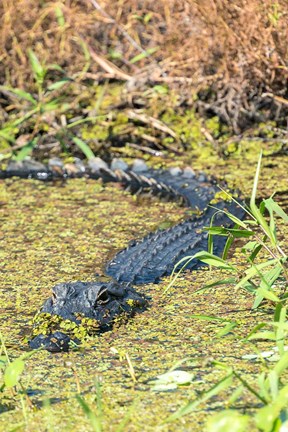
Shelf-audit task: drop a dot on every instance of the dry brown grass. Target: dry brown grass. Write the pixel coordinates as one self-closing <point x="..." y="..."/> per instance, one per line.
<point x="230" y="53"/>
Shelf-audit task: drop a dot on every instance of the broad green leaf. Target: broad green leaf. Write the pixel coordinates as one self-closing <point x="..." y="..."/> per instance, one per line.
<point x="228" y="421"/>
<point x="258" y="300"/>
<point x="264" y="293"/>
<point x="269" y="335"/>
<point x="272" y="206"/>
<point x="262" y="207"/>
<point x="255" y="252"/>
<point x="252" y="222"/>
<point x="252" y="271"/>
<point x="214" y="261"/>
<point x="277" y="312"/>
<point x="249" y="246"/>
<point x="281" y="325"/>
<point x="3" y="361"/>
<point x="144" y="54"/>
<point x="205" y="257"/>
<point x="265" y="417"/>
<point x="84" y="147"/>
<point x="262" y="379"/>
<point x="227" y="247"/>
<point x="267" y="281"/>
<point x="253" y="246"/>
<point x="13" y="372"/>
<point x="282" y="364"/>
<point x="236" y="220"/>
<point x="273" y="379"/>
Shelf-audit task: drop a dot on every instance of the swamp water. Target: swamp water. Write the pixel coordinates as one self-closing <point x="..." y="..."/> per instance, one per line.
<point x="66" y="232"/>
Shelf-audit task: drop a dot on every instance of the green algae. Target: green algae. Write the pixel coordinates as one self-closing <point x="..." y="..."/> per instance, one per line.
<point x="64" y="232"/>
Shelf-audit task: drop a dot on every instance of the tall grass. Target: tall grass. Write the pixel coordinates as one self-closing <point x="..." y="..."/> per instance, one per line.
<point x="261" y="279"/>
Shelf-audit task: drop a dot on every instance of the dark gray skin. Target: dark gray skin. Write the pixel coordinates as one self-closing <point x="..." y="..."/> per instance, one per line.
<point x="143" y="261"/>
<point x="100" y="301"/>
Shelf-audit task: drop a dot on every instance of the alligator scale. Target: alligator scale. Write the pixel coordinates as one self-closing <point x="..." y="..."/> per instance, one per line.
<point x="143" y="261"/>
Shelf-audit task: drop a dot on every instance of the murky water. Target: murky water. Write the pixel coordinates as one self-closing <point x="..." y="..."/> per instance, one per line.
<point x="56" y="233"/>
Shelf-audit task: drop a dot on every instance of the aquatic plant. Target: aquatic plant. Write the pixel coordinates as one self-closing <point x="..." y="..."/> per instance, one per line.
<point x="270" y="387"/>
<point x="50" y="112"/>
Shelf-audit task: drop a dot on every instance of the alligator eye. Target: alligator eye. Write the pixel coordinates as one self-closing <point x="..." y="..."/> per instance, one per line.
<point x="102" y="297"/>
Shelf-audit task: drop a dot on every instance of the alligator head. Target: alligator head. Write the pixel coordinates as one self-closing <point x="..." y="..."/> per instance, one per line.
<point x="71" y="302"/>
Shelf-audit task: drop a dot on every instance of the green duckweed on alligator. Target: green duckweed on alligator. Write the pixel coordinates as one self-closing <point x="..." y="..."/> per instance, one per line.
<point x="75" y="304"/>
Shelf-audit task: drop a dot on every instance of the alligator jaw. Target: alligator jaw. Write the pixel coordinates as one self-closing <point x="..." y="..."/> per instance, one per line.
<point x="54" y="342"/>
<point x="73" y="303"/>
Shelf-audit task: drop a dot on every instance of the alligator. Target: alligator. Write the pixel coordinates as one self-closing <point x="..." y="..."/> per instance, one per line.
<point x="143" y="261"/>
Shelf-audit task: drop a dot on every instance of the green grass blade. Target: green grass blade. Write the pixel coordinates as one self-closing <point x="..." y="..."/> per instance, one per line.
<point x="94" y="420"/>
<point x="272" y="206"/>
<point x="227" y="329"/>
<point x="267" y="280"/>
<point x="227" y="247"/>
<point x="60" y="16"/>
<point x="214" y="261"/>
<point x="26" y="150"/>
<point x="144" y="54"/>
<point x="20" y="94"/>
<point x="235" y="232"/>
<point x="255" y="183"/>
<point x="280" y="332"/>
<point x="83" y="147"/>
<point x="252" y="271"/>
<point x="191" y="406"/>
<point x="254" y="209"/>
<point x="58" y="84"/>
<point x="38" y="70"/>
<point x="216" y="283"/>
<point x="122" y="425"/>
<point x="7" y="134"/>
<point x="255" y="329"/>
